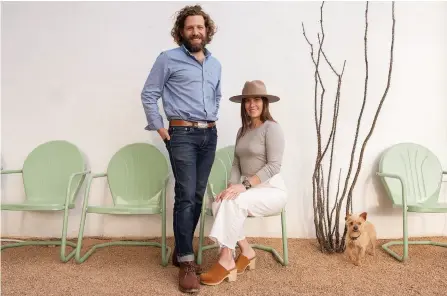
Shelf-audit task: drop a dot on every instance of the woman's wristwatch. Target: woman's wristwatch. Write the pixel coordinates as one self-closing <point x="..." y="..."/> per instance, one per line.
<point x="246" y="183"/>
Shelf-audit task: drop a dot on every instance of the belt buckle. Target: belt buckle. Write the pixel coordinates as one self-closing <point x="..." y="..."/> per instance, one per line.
<point x="201" y="124"/>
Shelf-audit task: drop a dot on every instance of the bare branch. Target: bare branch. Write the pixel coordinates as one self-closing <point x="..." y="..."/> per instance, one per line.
<point x="324" y="202"/>
<point x="365" y="38"/>
<point x="343" y="70"/>
<point x="307" y="39"/>
<point x="330" y="64"/>
<point x="326" y="227"/>
<point x="319" y="52"/>
<point x="334" y="130"/>
<point x="336" y="202"/>
<point x="380" y="104"/>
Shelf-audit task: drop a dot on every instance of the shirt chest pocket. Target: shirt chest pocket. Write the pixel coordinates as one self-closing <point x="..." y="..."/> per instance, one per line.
<point x="211" y="78"/>
<point x="185" y="76"/>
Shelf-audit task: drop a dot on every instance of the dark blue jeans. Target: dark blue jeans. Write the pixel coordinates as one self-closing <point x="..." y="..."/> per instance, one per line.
<point x="191" y="151"/>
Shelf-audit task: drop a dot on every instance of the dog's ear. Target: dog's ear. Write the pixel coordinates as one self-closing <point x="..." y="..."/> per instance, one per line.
<point x="363" y="215"/>
<point x="347" y="217"/>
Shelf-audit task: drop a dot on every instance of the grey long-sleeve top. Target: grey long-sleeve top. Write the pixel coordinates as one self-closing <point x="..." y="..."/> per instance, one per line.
<point x="259" y="152"/>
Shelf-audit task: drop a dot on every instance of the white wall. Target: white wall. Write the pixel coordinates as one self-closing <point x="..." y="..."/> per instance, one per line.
<point x="75" y="71"/>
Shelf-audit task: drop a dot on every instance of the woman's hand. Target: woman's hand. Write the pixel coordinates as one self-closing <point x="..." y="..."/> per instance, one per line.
<point x="231" y="192"/>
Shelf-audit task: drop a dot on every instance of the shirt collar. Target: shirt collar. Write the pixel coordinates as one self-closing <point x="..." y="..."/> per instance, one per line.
<point x="206" y="51"/>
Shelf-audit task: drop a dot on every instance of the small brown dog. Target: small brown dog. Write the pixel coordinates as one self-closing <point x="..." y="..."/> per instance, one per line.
<point x="360" y="235"/>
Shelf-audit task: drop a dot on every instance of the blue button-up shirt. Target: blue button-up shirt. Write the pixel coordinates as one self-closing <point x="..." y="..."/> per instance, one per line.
<point x="190" y="90"/>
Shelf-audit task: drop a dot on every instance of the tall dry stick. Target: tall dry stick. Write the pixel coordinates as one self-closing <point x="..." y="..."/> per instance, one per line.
<point x="376" y="116"/>
<point x="326" y="228"/>
<point x="359" y="120"/>
<point x="317" y="180"/>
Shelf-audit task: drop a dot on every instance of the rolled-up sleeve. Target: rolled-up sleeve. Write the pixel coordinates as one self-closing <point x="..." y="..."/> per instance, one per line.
<point x="274" y="145"/>
<point x="219" y="91"/>
<point x="152" y="91"/>
<point x="235" y="174"/>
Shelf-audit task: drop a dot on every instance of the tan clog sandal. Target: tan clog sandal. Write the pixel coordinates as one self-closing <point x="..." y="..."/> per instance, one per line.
<point x="217" y="274"/>
<point x="243" y="263"/>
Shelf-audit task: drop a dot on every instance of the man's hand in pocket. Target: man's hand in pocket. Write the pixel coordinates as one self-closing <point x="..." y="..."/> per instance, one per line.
<point x="164" y="134"/>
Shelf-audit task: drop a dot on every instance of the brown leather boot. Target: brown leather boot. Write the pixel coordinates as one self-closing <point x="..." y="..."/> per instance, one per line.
<point x="175" y="262"/>
<point x="187" y="279"/>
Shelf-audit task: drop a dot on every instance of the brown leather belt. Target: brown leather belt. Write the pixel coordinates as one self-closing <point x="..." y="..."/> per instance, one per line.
<point x="199" y="124"/>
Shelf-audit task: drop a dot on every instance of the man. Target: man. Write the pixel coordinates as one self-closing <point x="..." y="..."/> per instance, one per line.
<point x="188" y="80"/>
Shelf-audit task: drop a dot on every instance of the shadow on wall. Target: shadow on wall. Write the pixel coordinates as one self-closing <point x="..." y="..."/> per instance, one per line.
<point x="308" y="213"/>
<point x="384" y="205"/>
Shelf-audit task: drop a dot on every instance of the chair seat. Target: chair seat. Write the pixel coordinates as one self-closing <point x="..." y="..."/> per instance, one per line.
<point x="125" y="210"/>
<point x="35" y="206"/>
<point x="209" y="212"/>
<point x="424" y="208"/>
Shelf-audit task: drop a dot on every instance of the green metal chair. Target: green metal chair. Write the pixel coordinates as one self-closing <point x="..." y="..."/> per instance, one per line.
<point x="217" y="182"/>
<point x="137" y="176"/>
<point x="52" y="176"/>
<point x="412" y="177"/>
<point x="227" y="155"/>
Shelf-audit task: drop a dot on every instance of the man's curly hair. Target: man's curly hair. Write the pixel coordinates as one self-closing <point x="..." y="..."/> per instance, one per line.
<point x="180" y="23"/>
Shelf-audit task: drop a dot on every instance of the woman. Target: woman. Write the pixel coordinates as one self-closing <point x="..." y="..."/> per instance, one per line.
<point x="255" y="188"/>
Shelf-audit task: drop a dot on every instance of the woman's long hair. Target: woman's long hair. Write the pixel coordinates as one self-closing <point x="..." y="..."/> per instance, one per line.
<point x="246" y="120"/>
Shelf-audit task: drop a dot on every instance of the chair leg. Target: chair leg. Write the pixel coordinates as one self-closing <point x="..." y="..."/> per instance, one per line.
<point x="43" y="243"/>
<point x="405" y="242"/>
<point x="64" y="239"/>
<point x="284" y="238"/>
<point x="386" y="247"/>
<point x="63" y="243"/>
<point x="201" y="232"/>
<point x="405" y="232"/>
<point x="78" y="257"/>
<point x="284" y="261"/>
<point x="164" y="251"/>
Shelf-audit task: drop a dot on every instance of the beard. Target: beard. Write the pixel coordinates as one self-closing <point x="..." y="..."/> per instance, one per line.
<point x="195" y="47"/>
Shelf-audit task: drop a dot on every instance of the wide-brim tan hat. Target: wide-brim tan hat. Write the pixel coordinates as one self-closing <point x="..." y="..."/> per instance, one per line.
<point x="252" y="89"/>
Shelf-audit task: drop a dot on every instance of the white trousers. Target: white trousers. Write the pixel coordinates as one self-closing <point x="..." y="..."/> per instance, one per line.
<point x="230" y="215"/>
